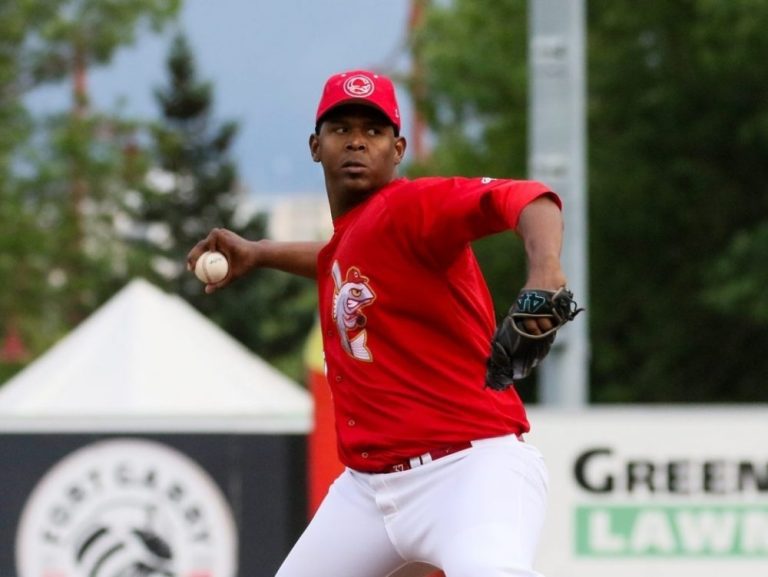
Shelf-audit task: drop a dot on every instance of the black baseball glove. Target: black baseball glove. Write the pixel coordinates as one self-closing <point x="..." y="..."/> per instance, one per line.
<point x="514" y="351"/>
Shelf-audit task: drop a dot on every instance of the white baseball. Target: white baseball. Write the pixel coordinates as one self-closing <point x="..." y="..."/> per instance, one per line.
<point x="211" y="267"/>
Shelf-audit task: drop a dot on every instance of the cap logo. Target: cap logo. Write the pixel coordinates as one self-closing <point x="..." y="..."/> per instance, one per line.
<point x="358" y="86"/>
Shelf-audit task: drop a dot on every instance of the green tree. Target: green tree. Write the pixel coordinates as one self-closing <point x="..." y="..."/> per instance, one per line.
<point x="81" y="34"/>
<point x="16" y="18"/>
<point x="193" y="186"/>
<point x="677" y="140"/>
<point x="479" y="121"/>
<point x="75" y="178"/>
<point x="21" y="275"/>
<point x="271" y="312"/>
<point x="62" y="189"/>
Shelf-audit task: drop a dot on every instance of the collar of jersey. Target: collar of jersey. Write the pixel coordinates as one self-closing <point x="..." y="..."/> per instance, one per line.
<point x="349" y="216"/>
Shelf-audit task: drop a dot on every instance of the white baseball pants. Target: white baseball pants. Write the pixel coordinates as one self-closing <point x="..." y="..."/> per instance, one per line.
<point x="478" y="512"/>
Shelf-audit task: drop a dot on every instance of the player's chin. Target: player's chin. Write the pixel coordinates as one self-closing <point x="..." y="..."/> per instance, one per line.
<point x="358" y="183"/>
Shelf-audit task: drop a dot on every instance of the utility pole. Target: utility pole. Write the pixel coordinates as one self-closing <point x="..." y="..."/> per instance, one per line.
<point x="557" y="157"/>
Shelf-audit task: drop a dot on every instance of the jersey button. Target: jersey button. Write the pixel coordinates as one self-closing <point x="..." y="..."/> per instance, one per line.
<point x="339" y="378"/>
<point x="351" y="422"/>
<point x="364" y="454"/>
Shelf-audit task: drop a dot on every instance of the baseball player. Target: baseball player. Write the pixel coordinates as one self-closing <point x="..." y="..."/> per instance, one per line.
<point x="437" y="472"/>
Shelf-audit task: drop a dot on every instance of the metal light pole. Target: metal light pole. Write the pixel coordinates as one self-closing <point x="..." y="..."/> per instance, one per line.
<point x="557" y="132"/>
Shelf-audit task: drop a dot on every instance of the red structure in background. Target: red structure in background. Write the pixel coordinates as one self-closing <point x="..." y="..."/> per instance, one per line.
<point x="12" y="349"/>
<point x="322" y="457"/>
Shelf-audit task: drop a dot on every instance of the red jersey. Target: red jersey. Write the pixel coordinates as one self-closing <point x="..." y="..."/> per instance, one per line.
<point x="407" y="318"/>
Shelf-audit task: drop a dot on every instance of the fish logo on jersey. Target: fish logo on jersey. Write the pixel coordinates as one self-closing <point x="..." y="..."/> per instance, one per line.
<point x="352" y="294"/>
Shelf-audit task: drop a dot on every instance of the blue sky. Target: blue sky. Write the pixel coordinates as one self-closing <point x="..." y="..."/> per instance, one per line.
<point x="268" y="61"/>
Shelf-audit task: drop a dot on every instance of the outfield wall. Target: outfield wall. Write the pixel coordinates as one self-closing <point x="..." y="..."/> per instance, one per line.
<point x="655" y="491"/>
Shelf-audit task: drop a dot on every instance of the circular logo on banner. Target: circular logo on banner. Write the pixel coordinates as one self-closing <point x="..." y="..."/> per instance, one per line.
<point x="125" y="508"/>
<point x="358" y="86"/>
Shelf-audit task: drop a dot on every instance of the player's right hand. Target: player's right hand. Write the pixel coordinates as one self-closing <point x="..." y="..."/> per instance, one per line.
<point x="239" y="252"/>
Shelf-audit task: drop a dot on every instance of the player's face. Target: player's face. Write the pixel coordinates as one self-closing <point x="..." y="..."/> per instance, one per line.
<point x="359" y="152"/>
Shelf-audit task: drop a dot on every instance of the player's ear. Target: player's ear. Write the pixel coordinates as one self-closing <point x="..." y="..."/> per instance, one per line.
<point x="314" y="147"/>
<point x="400" y="146"/>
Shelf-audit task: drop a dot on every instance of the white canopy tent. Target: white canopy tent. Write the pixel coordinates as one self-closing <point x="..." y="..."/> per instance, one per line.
<point x="149" y="360"/>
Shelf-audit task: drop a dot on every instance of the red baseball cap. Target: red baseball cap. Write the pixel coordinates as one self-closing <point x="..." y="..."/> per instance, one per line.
<point x="360" y="87"/>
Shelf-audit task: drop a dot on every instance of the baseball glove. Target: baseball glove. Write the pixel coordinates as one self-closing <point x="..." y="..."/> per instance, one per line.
<point x="515" y="351"/>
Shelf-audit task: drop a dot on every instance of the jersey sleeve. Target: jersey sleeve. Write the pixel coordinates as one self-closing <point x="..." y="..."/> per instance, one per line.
<point x="453" y="212"/>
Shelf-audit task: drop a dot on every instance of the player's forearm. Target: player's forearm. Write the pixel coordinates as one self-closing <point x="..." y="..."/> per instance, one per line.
<point x="298" y="258"/>
<point x="541" y="228"/>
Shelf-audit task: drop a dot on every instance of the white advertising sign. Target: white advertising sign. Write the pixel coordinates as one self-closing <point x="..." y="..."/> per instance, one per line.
<point x="655" y="492"/>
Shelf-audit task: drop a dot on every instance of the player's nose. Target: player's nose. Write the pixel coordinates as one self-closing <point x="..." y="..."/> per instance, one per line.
<point x="356" y="145"/>
<point x="356" y="141"/>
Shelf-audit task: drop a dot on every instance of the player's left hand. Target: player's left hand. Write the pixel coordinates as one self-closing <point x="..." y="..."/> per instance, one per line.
<point x="516" y="348"/>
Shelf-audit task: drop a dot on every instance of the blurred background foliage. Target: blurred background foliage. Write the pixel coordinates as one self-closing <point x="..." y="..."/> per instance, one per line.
<point x="678" y="151"/>
<point x="678" y="154"/>
<point x="91" y="199"/>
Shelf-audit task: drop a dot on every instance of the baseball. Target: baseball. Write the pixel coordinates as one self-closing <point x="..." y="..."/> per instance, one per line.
<point x="211" y="267"/>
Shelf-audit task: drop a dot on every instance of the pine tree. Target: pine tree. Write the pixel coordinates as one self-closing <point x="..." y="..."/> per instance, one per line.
<point x="194" y="185"/>
<point x="195" y="188"/>
<point x="63" y="177"/>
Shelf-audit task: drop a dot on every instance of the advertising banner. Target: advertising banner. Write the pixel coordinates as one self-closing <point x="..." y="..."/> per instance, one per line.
<point x="150" y="504"/>
<point x="655" y="492"/>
